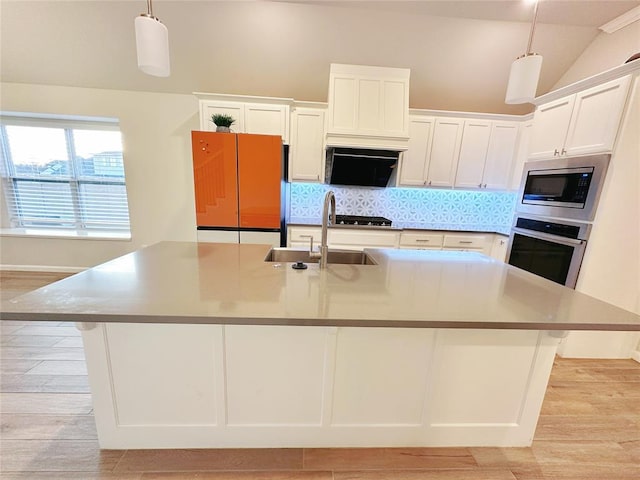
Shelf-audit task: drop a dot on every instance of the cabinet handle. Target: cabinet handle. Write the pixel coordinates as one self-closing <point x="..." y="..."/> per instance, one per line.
<point x="429" y="182"/>
<point x="465" y="241"/>
<point x="564" y="152"/>
<point x="484" y="186"/>
<point x="422" y="240"/>
<point x="556" y="152"/>
<point x="424" y="183"/>
<point x="479" y="185"/>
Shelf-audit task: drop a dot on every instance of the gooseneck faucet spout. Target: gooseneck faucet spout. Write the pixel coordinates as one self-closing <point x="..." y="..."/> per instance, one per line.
<point x="329" y="199"/>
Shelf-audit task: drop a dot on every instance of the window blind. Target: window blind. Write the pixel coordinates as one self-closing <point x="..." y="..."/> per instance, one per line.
<point x="57" y="174"/>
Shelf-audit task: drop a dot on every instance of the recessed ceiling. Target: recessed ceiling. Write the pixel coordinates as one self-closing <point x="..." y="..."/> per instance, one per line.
<point x="459" y="52"/>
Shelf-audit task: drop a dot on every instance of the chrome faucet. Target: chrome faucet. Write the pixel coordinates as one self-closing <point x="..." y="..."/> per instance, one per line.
<point x="323" y="253"/>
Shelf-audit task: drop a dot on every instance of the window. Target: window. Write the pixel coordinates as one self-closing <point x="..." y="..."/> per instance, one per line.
<point x="62" y="173"/>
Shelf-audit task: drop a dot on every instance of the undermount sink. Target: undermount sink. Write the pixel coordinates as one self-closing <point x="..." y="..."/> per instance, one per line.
<point x="350" y="257"/>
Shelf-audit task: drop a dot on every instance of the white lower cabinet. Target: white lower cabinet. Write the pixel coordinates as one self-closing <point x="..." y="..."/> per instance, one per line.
<point x="473" y="242"/>
<point x="360" y="238"/>
<point x="421" y="241"/>
<point x="300" y="237"/>
<point x="499" y="247"/>
<point x="343" y="238"/>
<point x="355" y="239"/>
<point x="235" y="386"/>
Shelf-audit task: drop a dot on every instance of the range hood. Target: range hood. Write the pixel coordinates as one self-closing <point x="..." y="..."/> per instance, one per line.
<point x="368" y="107"/>
<point x="361" y="167"/>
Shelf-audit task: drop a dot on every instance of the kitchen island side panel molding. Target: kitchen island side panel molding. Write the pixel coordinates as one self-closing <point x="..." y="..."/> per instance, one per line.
<point x="314" y="386"/>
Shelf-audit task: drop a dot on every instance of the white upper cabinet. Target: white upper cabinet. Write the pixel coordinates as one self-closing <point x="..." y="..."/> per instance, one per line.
<point x="521" y="154"/>
<point x="368" y="106"/>
<point x="579" y="124"/>
<point x="501" y="155"/>
<point x="210" y="108"/>
<point x="268" y="118"/>
<point x="445" y="149"/>
<point x="473" y="153"/>
<point x="415" y="161"/>
<point x="307" y="145"/>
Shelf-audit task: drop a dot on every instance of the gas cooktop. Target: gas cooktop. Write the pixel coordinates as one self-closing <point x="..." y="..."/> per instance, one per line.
<point x="362" y="220"/>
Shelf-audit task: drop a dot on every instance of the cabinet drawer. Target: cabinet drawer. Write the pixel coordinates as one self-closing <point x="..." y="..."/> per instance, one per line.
<point x="301" y="235"/>
<point x="421" y="240"/>
<point x="465" y="241"/>
<point x="346" y="238"/>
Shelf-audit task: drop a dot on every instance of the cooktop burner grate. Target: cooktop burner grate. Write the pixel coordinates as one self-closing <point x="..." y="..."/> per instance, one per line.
<point x="362" y="220"/>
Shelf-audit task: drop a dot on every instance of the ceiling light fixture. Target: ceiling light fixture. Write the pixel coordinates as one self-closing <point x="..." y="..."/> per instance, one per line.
<point x="525" y="72"/>
<point x="152" y="44"/>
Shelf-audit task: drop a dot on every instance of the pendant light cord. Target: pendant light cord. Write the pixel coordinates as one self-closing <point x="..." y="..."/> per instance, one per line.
<point x="533" y="27"/>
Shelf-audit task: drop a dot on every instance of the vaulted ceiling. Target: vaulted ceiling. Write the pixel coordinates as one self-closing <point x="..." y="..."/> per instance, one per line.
<point x="459" y="52"/>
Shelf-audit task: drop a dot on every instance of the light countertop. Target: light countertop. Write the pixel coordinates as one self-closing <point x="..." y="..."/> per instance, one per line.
<point x="183" y="282"/>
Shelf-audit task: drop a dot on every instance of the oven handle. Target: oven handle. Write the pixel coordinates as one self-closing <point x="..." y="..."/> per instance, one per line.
<point x="546" y="236"/>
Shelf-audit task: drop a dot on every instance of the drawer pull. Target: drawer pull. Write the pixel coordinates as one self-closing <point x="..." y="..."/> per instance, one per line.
<point x="422" y="240"/>
<point x="466" y="241"/>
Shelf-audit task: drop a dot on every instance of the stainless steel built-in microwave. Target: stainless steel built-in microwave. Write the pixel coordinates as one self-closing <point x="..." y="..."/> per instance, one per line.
<point x="564" y="188"/>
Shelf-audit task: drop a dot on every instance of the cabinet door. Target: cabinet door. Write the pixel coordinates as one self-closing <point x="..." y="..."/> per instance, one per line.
<point x="550" y="126"/>
<point x="415" y="161"/>
<point x="215" y="179"/>
<point x="355" y="239"/>
<point x="342" y="104"/>
<point x="267" y="119"/>
<point x="467" y="242"/>
<point x="499" y="247"/>
<point x="473" y="153"/>
<point x="307" y="145"/>
<point x="500" y="155"/>
<point x="209" y="108"/>
<point x="259" y="177"/>
<point x="596" y="118"/>
<point x="521" y="155"/>
<point x="447" y="136"/>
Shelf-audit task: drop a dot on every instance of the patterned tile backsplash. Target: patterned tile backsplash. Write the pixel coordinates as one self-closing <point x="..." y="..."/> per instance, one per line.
<point x="409" y="207"/>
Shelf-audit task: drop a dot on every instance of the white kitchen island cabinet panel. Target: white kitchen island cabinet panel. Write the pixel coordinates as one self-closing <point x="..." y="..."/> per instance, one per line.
<point x="274" y="375"/>
<point x="580" y="124"/>
<point x="214" y="386"/>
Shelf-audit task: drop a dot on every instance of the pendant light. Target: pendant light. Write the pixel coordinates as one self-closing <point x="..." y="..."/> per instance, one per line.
<point x="152" y="44"/>
<point x="525" y="72"/>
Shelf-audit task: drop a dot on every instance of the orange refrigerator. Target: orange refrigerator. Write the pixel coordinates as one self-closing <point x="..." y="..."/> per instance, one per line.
<point x="241" y="193"/>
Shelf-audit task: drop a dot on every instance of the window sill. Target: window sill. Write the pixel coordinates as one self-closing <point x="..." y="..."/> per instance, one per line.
<point x="64" y="234"/>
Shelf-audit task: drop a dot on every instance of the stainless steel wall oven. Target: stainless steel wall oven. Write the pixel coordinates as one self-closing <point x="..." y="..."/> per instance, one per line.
<point x="551" y="249"/>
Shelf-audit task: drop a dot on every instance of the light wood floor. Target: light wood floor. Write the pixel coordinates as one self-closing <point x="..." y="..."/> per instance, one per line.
<point x="589" y="428"/>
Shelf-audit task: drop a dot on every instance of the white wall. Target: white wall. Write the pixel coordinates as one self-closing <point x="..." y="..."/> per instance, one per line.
<point x="608" y="50"/>
<point x="156" y="131"/>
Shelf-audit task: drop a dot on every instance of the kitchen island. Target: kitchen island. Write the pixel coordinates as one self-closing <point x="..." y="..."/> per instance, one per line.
<point x="194" y="345"/>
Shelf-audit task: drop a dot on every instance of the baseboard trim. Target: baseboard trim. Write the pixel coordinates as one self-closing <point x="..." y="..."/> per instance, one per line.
<point x="41" y="268"/>
<point x="636" y="356"/>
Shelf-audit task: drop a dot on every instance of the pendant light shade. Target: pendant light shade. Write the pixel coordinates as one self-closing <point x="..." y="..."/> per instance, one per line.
<point x="525" y="72"/>
<point x="523" y="79"/>
<point x="152" y="44"/>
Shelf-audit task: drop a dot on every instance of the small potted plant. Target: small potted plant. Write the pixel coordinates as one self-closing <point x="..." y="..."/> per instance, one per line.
<point x="223" y="121"/>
